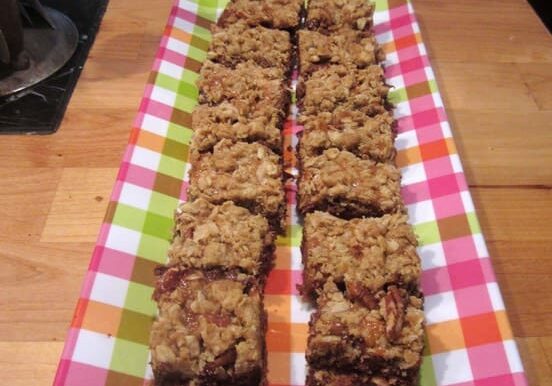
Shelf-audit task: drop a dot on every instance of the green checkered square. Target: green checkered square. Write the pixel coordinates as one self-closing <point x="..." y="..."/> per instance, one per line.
<point x="129" y="217"/>
<point x="153" y="248"/>
<point x="427" y="232"/>
<point x="139" y="300"/>
<point x="129" y="358"/>
<point x="162" y="204"/>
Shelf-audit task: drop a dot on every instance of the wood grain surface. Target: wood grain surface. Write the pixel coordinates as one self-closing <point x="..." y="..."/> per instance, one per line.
<point x="493" y="61"/>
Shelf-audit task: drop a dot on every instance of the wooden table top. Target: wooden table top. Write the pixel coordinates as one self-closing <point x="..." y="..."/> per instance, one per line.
<point x="493" y="61"/>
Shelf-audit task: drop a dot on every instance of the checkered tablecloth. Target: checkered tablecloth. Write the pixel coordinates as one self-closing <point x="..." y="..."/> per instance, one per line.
<point x="469" y="340"/>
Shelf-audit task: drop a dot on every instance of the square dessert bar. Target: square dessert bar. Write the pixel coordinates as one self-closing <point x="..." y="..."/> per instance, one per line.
<point x="346" y="186"/>
<point x="328" y="16"/>
<point x="239" y="43"/>
<point x="366" y="137"/>
<point x="280" y="14"/>
<point x="362" y="256"/>
<point x="209" y="330"/>
<point x="339" y="87"/>
<point x="383" y="341"/>
<point x="238" y="123"/>
<point x="221" y="236"/>
<point x="346" y="378"/>
<point x="249" y="174"/>
<point x="348" y="47"/>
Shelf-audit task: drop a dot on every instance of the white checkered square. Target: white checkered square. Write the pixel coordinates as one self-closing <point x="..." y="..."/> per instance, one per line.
<point x="437" y="100"/>
<point x="452" y="367"/>
<point x="381" y="17"/>
<point x="188" y="5"/>
<point x="170" y="69"/>
<point x="432" y="256"/>
<point x="162" y="95"/>
<point x="298" y="369"/>
<point x="456" y="164"/>
<point x="396" y="81"/>
<point x="480" y="245"/>
<point x="93" y="349"/>
<point x="406" y="140"/>
<point x="421" y="212"/>
<point x="146" y="158"/>
<point x="135" y="196"/>
<point x="177" y="46"/>
<point x="440" y="307"/>
<point x="445" y="129"/>
<point x="496" y="296"/>
<point x="123" y="239"/>
<point x="155" y="125"/>
<point x="183" y="25"/>
<point x="402" y="109"/>
<point x="412" y="174"/>
<point x="512" y="354"/>
<point x="300" y="310"/>
<point x="391" y="58"/>
<point x="296" y="262"/>
<point x="109" y="290"/>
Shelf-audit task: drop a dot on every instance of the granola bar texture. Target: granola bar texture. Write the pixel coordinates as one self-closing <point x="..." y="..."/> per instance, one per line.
<point x="366" y="137"/>
<point x="363" y="255"/>
<point x="335" y="378"/>
<point x="209" y="330"/>
<point x="278" y="14"/>
<point x="225" y="236"/>
<point x="249" y="174"/>
<point x="346" y="186"/>
<point x="239" y="43"/>
<point x="386" y="340"/>
<point x="348" y="47"/>
<point x="328" y="16"/>
<point x="340" y="88"/>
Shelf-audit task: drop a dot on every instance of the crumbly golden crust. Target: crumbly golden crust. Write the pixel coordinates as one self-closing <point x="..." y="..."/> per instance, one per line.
<point x="362" y="255"/>
<point x="335" y="378"/>
<point x="209" y="330"/>
<point x="228" y="121"/>
<point x="280" y="14"/>
<point x="249" y="174"/>
<point x="346" y="186"/>
<point x="366" y="137"/>
<point x="338" y="87"/>
<point x="226" y="236"/>
<point x="330" y="15"/>
<point x="348" y="47"/>
<point x="239" y="43"/>
<point x="384" y="340"/>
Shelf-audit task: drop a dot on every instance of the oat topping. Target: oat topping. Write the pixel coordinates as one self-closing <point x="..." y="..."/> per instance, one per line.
<point x="281" y="14"/>
<point x="329" y="16"/>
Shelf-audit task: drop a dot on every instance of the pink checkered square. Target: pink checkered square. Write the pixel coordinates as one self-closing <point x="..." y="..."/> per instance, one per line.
<point x="459" y="250"/>
<point x="414" y="193"/>
<point x="440" y="167"/>
<point x="413" y="78"/>
<point x="425" y="118"/>
<point x="79" y="374"/>
<point x="443" y="186"/>
<point x="445" y="206"/>
<point x="430" y="134"/>
<point x="472" y="301"/>
<point x="466" y="274"/>
<point x="139" y="175"/>
<point x="116" y="263"/>
<point x="398" y="16"/>
<point x="488" y="271"/>
<point x="483" y="368"/>
<point x="436" y="280"/>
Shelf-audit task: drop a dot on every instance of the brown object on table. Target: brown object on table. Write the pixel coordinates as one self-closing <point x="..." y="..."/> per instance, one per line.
<point x="327" y="16"/>
<point x="210" y="329"/>
<point x="223" y="236"/>
<point x="363" y="256"/>
<point x="348" y="47"/>
<point x="346" y="378"/>
<point x="239" y="43"/>
<point x="280" y="14"/>
<point x="249" y="174"/>
<point x="366" y="137"/>
<point x="334" y="88"/>
<point x="386" y="340"/>
<point x="346" y="186"/>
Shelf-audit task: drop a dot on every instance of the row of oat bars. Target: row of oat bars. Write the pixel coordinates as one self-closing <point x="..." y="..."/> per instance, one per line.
<point x="359" y="253"/>
<point x="211" y="323"/>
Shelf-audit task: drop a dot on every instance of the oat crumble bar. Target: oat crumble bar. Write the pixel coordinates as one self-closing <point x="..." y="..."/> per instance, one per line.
<point x="238" y="123"/>
<point x="225" y="236"/>
<point x="239" y="43"/>
<point x="347" y="47"/>
<point x="330" y="15"/>
<point x="346" y="378"/>
<point x="366" y="137"/>
<point x="346" y="186"/>
<point x="249" y="174"/>
<point x="363" y="256"/>
<point x="210" y="329"/>
<point x="386" y="340"/>
<point x="280" y="14"/>
<point x="338" y="87"/>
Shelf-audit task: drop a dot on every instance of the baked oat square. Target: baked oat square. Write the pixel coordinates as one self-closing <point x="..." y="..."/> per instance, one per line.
<point x="340" y="183"/>
<point x="209" y="330"/>
<point x="222" y="236"/>
<point x="327" y="16"/>
<point x="337" y="87"/>
<point x="348" y="47"/>
<point x="279" y="14"/>
<point x="366" y="137"/>
<point x="328" y="377"/>
<point x="249" y="174"/>
<point x="383" y="341"/>
<point x="239" y="43"/>
<point x="362" y="256"/>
